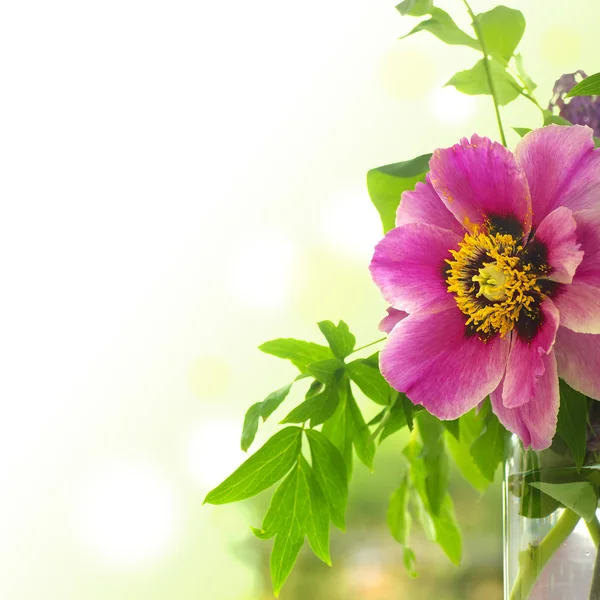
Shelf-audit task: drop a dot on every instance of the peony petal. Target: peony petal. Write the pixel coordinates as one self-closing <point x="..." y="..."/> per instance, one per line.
<point x="557" y="233"/>
<point x="423" y="205"/>
<point x="526" y="360"/>
<point x="578" y="357"/>
<point x="393" y="317"/>
<point x="409" y="267"/>
<point x="481" y="180"/>
<point x="579" y="307"/>
<point x="431" y="359"/>
<point x="534" y="422"/>
<point x="562" y="168"/>
<point x="588" y="234"/>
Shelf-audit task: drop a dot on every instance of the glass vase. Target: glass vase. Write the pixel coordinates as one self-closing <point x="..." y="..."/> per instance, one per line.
<point x="550" y="550"/>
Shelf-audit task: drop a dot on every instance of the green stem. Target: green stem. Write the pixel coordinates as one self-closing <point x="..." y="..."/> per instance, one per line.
<point x="371" y="344"/>
<point x="488" y="72"/>
<point x="533" y="560"/>
<point x="594" y="529"/>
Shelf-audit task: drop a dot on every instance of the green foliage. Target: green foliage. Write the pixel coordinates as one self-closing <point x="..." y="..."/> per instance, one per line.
<point x="364" y="446"/>
<point x="590" y="86"/>
<point x="325" y="370"/>
<point x="264" y="468"/>
<point x="339" y="338"/>
<point x="529" y="83"/>
<point x="443" y="27"/>
<point x="299" y="353"/>
<point x="579" y="496"/>
<point x="522" y="131"/>
<point x="330" y="471"/>
<point x="386" y="185"/>
<point x="488" y="449"/>
<point x="475" y="81"/>
<point x="317" y="407"/>
<point x="370" y="381"/>
<point x="262" y="409"/>
<point x="400" y="416"/>
<point x="572" y="422"/>
<point x="502" y="29"/>
<point x="415" y="8"/>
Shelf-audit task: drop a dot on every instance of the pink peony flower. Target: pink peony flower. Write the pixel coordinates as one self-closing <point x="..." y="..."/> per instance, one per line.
<point x="496" y="260"/>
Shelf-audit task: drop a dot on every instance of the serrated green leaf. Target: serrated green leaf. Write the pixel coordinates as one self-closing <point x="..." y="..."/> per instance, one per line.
<point x="316" y="518"/>
<point x="488" y="449"/>
<point x="579" y="496"/>
<point x="443" y="27"/>
<point x="398" y="517"/>
<point x="364" y="445"/>
<point x="330" y="470"/>
<point x="325" y="370"/>
<point x="259" y="472"/>
<point x="298" y="352"/>
<point x="502" y="29"/>
<point x="339" y="338"/>
<point x="261" y="409"/>
<point x="590" y="86"/>
<point x="370" y="381"/>
<point x="474" y="82"/>
<point x="522" y="131"/>
<point x="386" y="185"/>
<point x="318" y="408"/>
<point x="572" y="422"/>
<point x="415" y="8"/>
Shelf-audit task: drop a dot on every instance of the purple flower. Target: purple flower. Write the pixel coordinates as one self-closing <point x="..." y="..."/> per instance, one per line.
<point x="496" y="260"/>
<point x="580" y="110"/>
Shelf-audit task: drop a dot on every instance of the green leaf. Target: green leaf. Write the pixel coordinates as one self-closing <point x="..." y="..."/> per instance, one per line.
<point x="318" y="408"/>
<point x="330" y="470"/>
<point x="363" y="443"/>
<point x="386" y="185"/>
<point x="579" y="496"/>
<point x="470" y="429"/>
<point x="572" y="422"/>
<point x="410" y="560"/>
<point x="298" y="508"/>
<point x="474" y="82"/>
<point x="262" y="409"/>
<point x="590" y="86"/>
<point x="339" y="338"/>
<point x="398" y="517"/>
<point x="325" y="370"/>
<point x="300" y="353"/>
<point x="529" y="83"/>
<point x="250" y="425"/>
<point x="340" y="429"/>
<point x="522" y="131"/>
<point x="453" y="427"/>
<point x="552" y="119"/>
<point x="370" y="381"/>
<point x="316" y="518"/>
<point x="447" y="531"/>
<point x="443" y="27"/>
<point x="415" y="8"/>
<point x="259" y="472"/>
<point x="502" y="29"/>
<point x="435" y="460"/>
<point x="488" y="449"/>
<point x="397" y="419"/>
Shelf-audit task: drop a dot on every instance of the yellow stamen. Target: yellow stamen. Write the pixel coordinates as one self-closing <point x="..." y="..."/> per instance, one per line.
<point x="488" y="267"/>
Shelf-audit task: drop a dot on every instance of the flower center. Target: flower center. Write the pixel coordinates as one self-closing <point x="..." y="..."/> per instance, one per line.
<point x="491" y="283"/>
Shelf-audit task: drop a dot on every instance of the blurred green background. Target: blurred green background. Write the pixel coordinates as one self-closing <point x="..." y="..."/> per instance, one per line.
<point x="184" y="180"/>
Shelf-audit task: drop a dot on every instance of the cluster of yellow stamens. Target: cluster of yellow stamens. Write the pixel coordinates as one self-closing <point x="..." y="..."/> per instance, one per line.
<point x="490" y="282"/>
